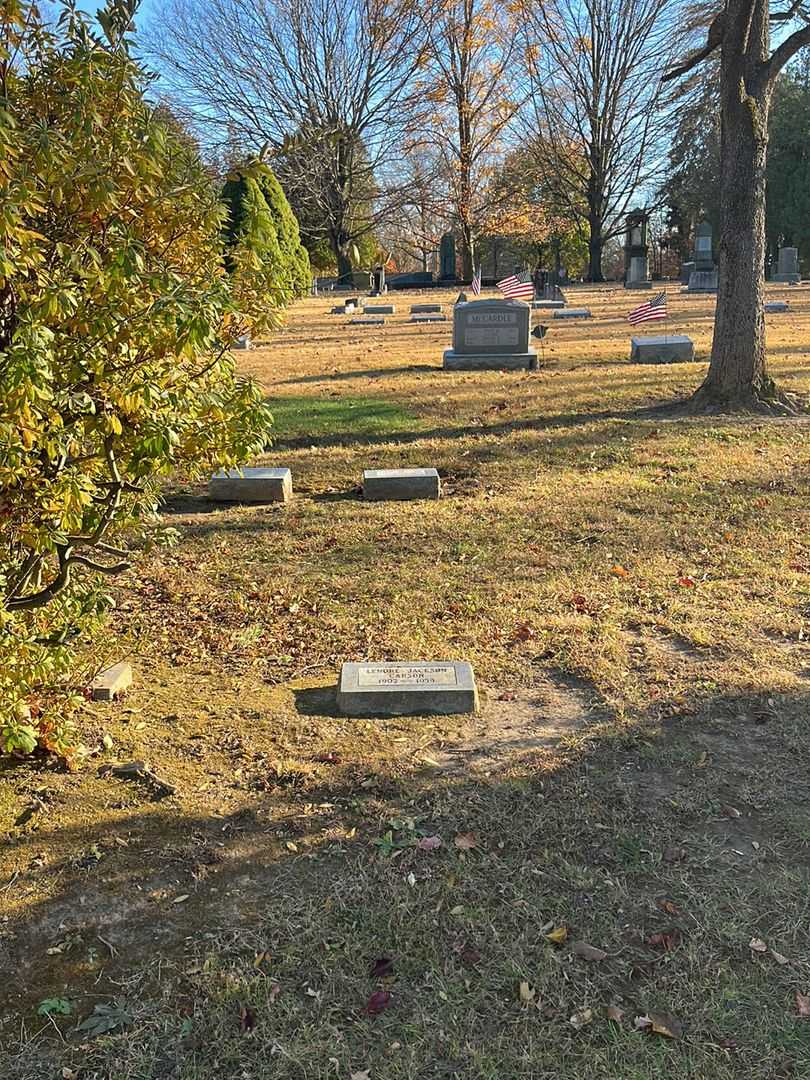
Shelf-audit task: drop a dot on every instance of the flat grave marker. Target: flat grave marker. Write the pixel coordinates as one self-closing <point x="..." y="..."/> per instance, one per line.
<point x="662" y="349"/>
<point x="400" y="484"/>
<point x="572" y="313"/>
<point x="379" y="309"/>
<point x="111" y="682"/>
<point x="774" y="307"/>
<point x="428" y="318"/>
<point x="375" y="320"/>
<point x="426" y="309"/>
<point x="547" y="305"/>
<point x="251" y="485"/>
<point x="421" y="688"/>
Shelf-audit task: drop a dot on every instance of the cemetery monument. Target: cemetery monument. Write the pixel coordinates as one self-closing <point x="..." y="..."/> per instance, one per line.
<point x="703" y="278"/>
<point x="636" y="251"/>
<point x="490" y="335"/>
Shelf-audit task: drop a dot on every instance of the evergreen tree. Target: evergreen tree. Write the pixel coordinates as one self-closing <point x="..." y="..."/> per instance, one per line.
<point x="293" y="252"/>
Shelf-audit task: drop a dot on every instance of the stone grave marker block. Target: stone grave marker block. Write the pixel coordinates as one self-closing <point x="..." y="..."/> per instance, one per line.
<point x="379" y="309"/>
<point x="242" y="342"/>
<point x="407" y="689"/>
<point x="773" y="307"/>
<point x="428" y="318"/>
<point x="381" y="484"/>
<point x="572" y="313"/>
<point x="112" y="682"/>
<point x="662" y="349"/>
<point x="426" y="309"/>
<point x="251" y="485"/>
<point x="375" y="320"/>
<point x="490" y="335"/>
<point x="547" y="305"/>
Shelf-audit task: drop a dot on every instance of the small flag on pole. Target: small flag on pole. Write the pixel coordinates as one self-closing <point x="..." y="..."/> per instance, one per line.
<point x="650" y="309"/>
<point x="476" y="283"/>
<point x="518" y="286"/>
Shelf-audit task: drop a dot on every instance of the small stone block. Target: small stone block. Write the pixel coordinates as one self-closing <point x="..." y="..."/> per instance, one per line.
<point x="454" y="361"/>
<point x="112" y="682"/>
<point x="380" y="484"/>
<point x="254" y="485"/>
<point x="242" y="342"/>
<point x="426" y="309"/>
<point x="428" y="318"/>
<point x="547" y="305"/>
<point x="669" y="349"/>
<point x="367" y="322"/>
<point x="572" y="313"/>
<point x="379" y="309"/>
<point x="772" y="307"/>
<point x="438" y="688"/>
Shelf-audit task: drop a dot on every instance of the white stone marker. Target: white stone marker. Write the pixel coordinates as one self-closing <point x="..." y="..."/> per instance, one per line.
<point x="242" y="342"/>
<point x="382" y="484"/>
<point x="254" y="485"/>
<point x="547" y="305"/>
<point x="403" y="689"/>
<point x="572" y="313"/>
<point x="379" y="309"/>
<point x="112" y="682"/>
<point x="428" y="318"/>
<point x="669" y="349"/>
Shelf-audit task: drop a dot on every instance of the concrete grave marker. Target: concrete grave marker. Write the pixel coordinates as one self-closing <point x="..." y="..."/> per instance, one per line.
<point x="407" y="689"/>
<point x="547" y="305"/>
<point x="428" y="318"/>
<point x="490" y="335"/>
<point x="379" y="309"/>
<point x="704" y="276"/>
<point x="426" y="309"/>
<point x="774" y="307"/>
<point x="381" y="484"/>
<point x="660" y="349"/>
<point x="788" y="266"/>
<point x="375" y="320"/>
<point x="112" y="682"/>
<point x="242" y="342"/>
<point x="251" y="485"/>
<point x="572" y="313"/>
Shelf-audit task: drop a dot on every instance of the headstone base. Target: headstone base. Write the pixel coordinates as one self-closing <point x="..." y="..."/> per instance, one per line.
<point x="400" y="484"/>
<point x="786" y="279"/>
<point x="253" y="485"/>
<point x="669" y="349"/>
<point x="702" y="281"/>
<point x="426" y="309"/>
<point x="439" y="688"/>
<point x="638" y="284"/>
<point x="374" y="320"/>
<point x="572" y="313"/>
<point x="454" y="361"/>
<point x="547" y="305"/>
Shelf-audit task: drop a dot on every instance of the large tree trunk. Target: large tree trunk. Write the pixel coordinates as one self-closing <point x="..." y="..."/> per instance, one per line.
<point x="344" y="262"/>
<point x="595" y="245"/>
<point x="738" y="377"/>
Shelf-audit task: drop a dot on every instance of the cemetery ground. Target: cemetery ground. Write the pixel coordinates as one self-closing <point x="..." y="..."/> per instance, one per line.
<point x="603" y="875"/>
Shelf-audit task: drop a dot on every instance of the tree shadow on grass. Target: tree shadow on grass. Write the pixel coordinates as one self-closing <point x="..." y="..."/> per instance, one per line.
<point x="364" y="373"/>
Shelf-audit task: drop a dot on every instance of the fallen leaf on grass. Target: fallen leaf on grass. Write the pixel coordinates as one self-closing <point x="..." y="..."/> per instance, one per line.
<point x="507" y="695"/>
<point x="274" y="991"/>
<point x="757" y="945"/>
<point x="381" y="967"/>
<point x="666" y="940"/>
<point x="364" y="1075"/>
<point x="732" y="812"/>
<point x="615" y="1014"/>
<point x="779" y="958"/>
<point x="523" y="632"/>
<point x="469" y="956"/>
<point x="466" y="841"/>
<point x="588" y="952"/>
<point x="527" y="994"/>
<point x="328" y="758"/>
<point x="581" y="1019"/>
<point x="247" y="1019"/>
<point x="260" y="958"/>
<point x="667" y="905"/>
<point x="429" y="843"/>
<point x="558" y="936"/>
<point x="619" y="571"/>
<point x="803" y="1004"/>
<point x="180" y="899"/>
<point x="687" y="582"/>
<point x="378" y="1001"/>
<point x="674" y="854"/>
<point x="660" y="1024"/>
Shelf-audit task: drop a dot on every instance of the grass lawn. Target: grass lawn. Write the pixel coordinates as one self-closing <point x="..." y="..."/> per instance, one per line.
<point x="622" y="887"/>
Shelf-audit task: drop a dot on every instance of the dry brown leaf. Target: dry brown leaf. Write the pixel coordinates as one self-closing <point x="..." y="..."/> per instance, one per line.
<point x="364" y="1075"/>
<point x="757" y="945"/>
<point x="666" y="1024"/>
<point x="581" y="1019"/>
<point x="588" y="952"/>
<point x="674" y="854"/>
<point x="527" y="993"/>
<point x="667" y="905"/>
<point x="667" y="940"/>
<point x="615" y="1014"/>
<point x="803" y="1004"/>
<point x="466" y="841"/>
<point x="429" y="843"/>
<point x="779" y="958"/>
<point x="732" y="812"/>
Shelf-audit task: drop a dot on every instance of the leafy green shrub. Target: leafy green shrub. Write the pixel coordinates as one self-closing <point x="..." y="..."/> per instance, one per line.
<point x="116" y="318"/>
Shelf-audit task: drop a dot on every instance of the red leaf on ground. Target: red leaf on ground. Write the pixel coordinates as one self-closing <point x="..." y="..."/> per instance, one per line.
<point x="507" y="695"/>
<point x="378" y="1001"/>
<point x="381" y="967"/>
<point x="667" y="905"/>
<point x="523" y="632"/>
<point x="687" y="582"/>
<point x="429" y="843"/>
<point x="328" y="758"/>
<point x="667" y="940"/>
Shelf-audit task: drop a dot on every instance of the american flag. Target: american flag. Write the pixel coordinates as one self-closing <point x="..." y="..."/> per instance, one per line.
<point x="518" y="286"/>
<point x="650" y="309"/>
<point x="476" y="282"/>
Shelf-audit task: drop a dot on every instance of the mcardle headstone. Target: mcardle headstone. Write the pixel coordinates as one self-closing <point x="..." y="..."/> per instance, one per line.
<point x="407" y="689"/>
<point x="490" y="335"/>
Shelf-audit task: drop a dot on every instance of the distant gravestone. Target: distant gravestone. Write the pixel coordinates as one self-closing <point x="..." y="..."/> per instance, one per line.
<point x="547" y="305"/>
<point x="374" y="320"/>
<point x="407" y="689"/>
<point x="112" y="682"/>
<point x="428" y="318"/>
<point x="775" y="307"/>
<point x="704" y="276"/>
<point x="490" y="335"/>
<point x="788" y="266"/>
<point x="636" y="251"/>
<point x="426" y="309"/>
<point x="400" y="484"/>
<point x="447" y="258"/>
<point x="379" y="309"/>
<point x="242" y="342"/>
<point x="572" y="313"/>
<point x="251" y="485"/>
